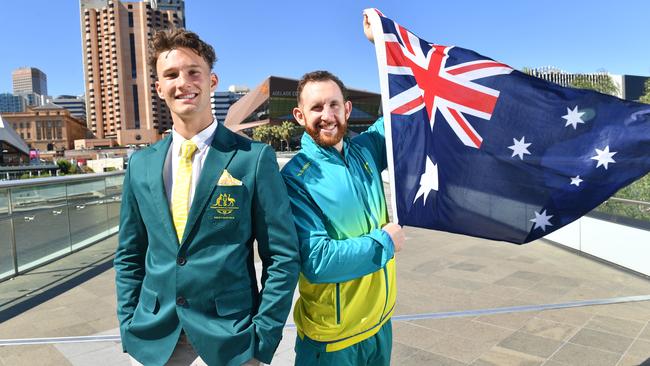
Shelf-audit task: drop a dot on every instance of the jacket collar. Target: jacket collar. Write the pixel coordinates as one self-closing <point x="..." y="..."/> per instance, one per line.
<point x="312" y="149"/>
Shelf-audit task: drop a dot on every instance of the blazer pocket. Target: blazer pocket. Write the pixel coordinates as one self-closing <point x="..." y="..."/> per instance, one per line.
<point x="228" y="204"/>
<point x="149" y="300"/>
<point x="234" y="302"/>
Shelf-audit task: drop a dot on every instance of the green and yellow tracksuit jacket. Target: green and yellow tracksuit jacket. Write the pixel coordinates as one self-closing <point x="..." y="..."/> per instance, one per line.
<point x="347" y="279"/>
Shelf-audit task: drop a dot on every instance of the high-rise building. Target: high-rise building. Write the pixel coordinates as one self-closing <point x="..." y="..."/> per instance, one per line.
<point x="29" y="80"/>
<point x="76" y="105"/>
<point x="11" y="103"/>
<point x="121" y="101"/>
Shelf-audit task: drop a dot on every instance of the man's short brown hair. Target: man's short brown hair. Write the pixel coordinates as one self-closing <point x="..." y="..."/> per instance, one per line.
<point x="167" y="40"/>
<point x="320" y="75"/>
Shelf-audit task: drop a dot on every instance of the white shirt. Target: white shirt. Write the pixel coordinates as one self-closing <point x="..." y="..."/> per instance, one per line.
<point x="202" y="140"/>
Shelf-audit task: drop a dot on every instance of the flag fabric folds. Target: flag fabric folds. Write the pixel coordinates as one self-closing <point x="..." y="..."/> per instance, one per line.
<point x="478" y="148"/>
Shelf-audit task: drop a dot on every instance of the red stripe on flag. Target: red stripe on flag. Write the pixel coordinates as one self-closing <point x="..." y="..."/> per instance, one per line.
<point x="405" y="37"/>
<point x="461" y="122"/>
<point x="482" y="65"/>
<point x="394" y="56"/>
<point x="408" y="106"/>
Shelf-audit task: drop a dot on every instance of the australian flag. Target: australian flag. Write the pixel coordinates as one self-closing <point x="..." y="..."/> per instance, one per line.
<point x="478" y="148"/>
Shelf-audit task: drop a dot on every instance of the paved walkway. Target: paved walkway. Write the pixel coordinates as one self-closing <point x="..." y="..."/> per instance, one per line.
<point x="437" y="273"/>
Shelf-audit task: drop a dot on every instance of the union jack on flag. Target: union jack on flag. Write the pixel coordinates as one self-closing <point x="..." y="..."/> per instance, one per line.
<point x="476" y="147"/>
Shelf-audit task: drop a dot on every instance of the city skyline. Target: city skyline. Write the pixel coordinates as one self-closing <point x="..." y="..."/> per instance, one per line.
<point x="255" y="39"/>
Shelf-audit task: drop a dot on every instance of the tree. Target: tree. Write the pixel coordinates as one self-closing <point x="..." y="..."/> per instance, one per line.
<point x="263" y="133"/>
<point x="64" y="165"/>
<point x="645" y="98"/>
<point x="287" y="130"/>
<point x="603" y="85"/>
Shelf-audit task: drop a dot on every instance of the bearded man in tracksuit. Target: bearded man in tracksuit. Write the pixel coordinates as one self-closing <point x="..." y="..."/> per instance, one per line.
<point x="347" y="244"/>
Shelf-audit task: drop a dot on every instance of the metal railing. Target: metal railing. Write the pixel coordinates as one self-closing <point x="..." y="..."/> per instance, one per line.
<point x="45" y="219"/>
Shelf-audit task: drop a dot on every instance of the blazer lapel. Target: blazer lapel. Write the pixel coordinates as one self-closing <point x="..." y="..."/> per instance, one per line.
<point x="157" y="186"/>
<point x="221" y="152"/>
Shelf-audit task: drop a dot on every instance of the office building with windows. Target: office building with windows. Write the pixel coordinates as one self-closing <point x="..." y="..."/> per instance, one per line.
<point x="46" y="128"/>
<point x="28" y="80"/>
<point x="221" y="102"/>
<point x="76" y="105"/>
<point x="121" y="102"/>
<point x="11" y="103"/>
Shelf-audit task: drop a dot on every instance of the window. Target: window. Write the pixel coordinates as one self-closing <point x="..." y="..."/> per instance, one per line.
<point x="132" y="44"/>
<point x="130" y="19"/>
<point x="136" y="107"/>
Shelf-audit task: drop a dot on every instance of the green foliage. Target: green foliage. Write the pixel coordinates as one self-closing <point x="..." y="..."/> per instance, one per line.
<point x="645" y="98"/>
<point x="64" y="165"/>
<point x="277" y="134"/>
<point x="263" y="133"/>
<point x="35" y="175"/>
<point x="603" y="85"/>
<point x="67" y="167"/>
<point x="286" y="130"/>
<point x="639" y="191"/>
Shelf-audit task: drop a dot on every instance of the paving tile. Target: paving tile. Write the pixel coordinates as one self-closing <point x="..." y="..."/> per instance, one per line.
<point x="459" y="348"/>
<point x="573" y="316"/>
<point x="601" y="340"/>
<point x="627" y="328"/>
<point x="640" y="348"/>
<point x="633" y="361"/>
<point x="498" y="356"/>
<point x="459" y="282"/>
<point x="549" y="329"/>
<point x="645" y="334"/>
<point x="416" y="336"/>
<point x="574" y="354"/>
<point x="639" y="311"/>
<point x="400" y="352"/>
<point x="41" y="355"/>
<point x="107" y="356"/>
<point x="530" y="344"/>
<point x="467" y="328"/>
<point x="511" y="321"/>
<point x="467" y="266"/>
<point x="425" y="358"/>
<point x="519" y="280"/>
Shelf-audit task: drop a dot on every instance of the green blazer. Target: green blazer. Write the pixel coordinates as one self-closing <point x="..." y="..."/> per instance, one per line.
<point x="206" y="285"/>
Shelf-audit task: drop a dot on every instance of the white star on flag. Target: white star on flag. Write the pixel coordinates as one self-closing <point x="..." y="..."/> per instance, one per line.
<point x="541" y="220"/>
<point x="520" y="147"/>
<point x="604" y="157"/>
<point x="428" y="180"/>
<point x="573" y="117"/>
<point x="576" y="181"/>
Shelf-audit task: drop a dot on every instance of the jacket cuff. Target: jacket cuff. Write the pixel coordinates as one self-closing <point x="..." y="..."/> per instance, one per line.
<point x="386" y="243"/>
<point x="264" y="348"/>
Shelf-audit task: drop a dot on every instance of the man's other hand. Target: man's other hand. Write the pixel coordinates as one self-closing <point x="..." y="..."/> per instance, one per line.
<point x="366" y="29"/>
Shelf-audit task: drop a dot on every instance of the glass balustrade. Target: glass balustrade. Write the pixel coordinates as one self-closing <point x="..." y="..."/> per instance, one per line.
<point x="45" y="219"/>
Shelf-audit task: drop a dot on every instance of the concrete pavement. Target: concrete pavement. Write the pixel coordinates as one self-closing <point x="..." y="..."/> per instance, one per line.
<point x="437" y="273"/>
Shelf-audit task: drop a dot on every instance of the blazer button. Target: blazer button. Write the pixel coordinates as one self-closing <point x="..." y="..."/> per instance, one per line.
<point x="180" y="301"/>
<point x="181" y="261"/>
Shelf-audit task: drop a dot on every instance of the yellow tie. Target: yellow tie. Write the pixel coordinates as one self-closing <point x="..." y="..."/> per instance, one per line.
<point x="181" y="190"/>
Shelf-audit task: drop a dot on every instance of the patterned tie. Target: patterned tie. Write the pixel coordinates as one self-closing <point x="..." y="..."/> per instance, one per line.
<point x="181" y="190"/>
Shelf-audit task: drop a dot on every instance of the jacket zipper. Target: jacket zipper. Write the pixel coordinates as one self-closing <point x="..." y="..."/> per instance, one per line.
<point x="338" y="303"/>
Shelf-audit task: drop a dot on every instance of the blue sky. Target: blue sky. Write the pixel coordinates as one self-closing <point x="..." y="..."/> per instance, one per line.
<point x="255" y="39"/>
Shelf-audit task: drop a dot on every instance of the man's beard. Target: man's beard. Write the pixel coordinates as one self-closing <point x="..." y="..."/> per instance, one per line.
<point x="327" y="140"/>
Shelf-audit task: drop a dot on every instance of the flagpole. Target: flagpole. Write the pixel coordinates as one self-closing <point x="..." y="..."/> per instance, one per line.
<point x="380" y="51"/>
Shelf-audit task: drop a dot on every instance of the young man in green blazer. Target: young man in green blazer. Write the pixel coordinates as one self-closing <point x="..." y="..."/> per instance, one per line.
<point x="192" y="205"/>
